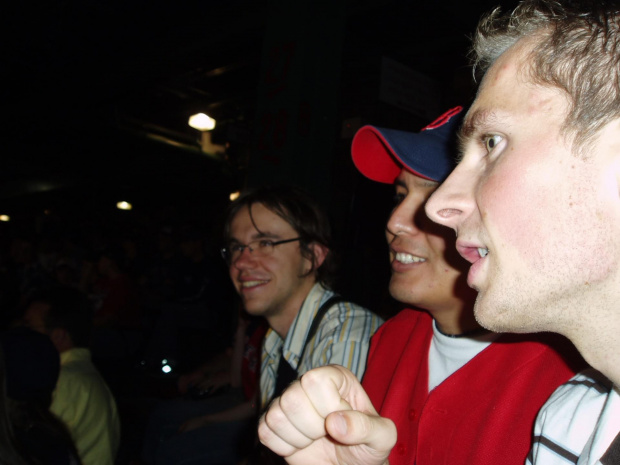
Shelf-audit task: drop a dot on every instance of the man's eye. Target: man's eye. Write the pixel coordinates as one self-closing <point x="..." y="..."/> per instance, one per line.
<point x="491" y="141"/>
<point x="265" y="243"/>
<point x="236" y="248"/>
<point x="398" y="198"/>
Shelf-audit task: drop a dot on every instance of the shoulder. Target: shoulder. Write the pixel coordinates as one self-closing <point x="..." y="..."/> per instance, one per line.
<point x="339" y="309"/>
<point x="406" y="322"/>
<point x="570" y="416"/>
<point x="347" y="308"/>
<point x="348" y="316"/>
<point x="81" y="379"/>
<point x="584" y="391"/>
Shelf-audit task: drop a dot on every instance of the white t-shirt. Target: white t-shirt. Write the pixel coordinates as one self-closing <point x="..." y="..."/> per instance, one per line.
<point x="447" y="354"/>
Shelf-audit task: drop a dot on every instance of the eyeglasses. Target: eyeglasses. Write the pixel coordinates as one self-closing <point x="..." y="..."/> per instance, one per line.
<point x="258" y="248"/>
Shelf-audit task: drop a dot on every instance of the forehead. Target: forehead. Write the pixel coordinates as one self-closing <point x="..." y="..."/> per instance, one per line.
<point x="258" y="221"/>
<point x="508" y="99"/>
<point x="412" y="181"/>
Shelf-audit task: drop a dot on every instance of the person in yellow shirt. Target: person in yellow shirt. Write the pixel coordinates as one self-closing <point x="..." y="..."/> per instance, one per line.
<point x="82" y="400"/>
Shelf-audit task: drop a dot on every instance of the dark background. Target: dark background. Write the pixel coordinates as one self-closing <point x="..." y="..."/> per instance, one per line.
<point x="95" y="97"/>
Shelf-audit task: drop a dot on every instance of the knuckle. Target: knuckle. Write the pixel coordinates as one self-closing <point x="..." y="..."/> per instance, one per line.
<point x="274" y="417"/>
<point x="288" y="399"/>
<point x="264" y="432"/>
<point x="315" y="377"/>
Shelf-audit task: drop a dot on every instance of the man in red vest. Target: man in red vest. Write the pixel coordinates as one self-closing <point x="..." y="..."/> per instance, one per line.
<point x="455" y="392"/>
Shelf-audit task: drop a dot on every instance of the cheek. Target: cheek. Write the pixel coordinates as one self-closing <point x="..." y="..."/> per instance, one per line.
<point x="503" y="207"/>
<point x="443" y="244"/>
<point x="548" y="220"/>
<point x="517" y="214"/>
<point x="233" y="273"/>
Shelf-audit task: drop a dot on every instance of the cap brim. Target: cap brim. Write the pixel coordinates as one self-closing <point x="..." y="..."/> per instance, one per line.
<point x="380" y="154"/>
<point x="374" y="151"/>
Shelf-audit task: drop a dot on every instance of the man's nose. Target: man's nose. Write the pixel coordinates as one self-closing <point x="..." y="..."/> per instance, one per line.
<point x="406" y="219"/>
<point x="453" y="201"/>
<point x="244" y="258"/>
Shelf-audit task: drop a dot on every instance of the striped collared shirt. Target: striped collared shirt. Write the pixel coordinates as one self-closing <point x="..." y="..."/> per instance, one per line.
<point x="578" y="422"/>
<point x="342" y="338"/>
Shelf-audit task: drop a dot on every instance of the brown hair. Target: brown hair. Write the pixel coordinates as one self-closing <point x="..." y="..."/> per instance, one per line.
<point x="299" y="210"/>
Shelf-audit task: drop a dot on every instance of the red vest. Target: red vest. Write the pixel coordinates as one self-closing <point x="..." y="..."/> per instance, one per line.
<point x="482" y="414"/>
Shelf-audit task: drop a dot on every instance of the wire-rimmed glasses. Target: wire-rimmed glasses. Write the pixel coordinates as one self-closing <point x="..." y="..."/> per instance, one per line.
<point x="258" y="248"/>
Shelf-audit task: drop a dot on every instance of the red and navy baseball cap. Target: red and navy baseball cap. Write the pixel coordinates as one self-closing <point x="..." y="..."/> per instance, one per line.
<point x="380" y="153"/>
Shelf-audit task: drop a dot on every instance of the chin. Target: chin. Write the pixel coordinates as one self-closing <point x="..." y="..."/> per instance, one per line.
<point x="489" y="316"/>
<point x="403" y="295"/>
<point x="500" y="319"/>
<point x="253" y="309"/>
<point x="405" y="290"/>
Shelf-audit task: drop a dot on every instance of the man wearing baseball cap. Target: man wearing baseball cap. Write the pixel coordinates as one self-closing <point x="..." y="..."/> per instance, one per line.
<point x="455" y="392"/>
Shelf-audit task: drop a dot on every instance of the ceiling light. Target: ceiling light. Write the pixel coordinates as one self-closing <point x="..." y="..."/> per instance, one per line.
<point x="202" y="122"/>
<point x="234" y="195"/>
<point x="124" y="205"/>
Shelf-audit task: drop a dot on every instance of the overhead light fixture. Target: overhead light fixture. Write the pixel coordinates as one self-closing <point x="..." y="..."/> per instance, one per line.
<point x="234" y="195"/>
<point x="202" y="122"/>
<point x="124" y="205"/>
<point x="5" y="218"/>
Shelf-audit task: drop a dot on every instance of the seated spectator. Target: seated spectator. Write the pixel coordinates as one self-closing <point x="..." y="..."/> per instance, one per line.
<point x="198" y="317"/>
<point x="29" y="432"/>
<point x="82" y="399"/>
<point x="119" y="305"/>
<point x="118" y="332"/>
<point x="30" y="276"/>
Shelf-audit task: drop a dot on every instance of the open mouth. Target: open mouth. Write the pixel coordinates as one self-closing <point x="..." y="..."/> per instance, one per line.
<point x="249" y="284"/>
<point x="407" y="258"/>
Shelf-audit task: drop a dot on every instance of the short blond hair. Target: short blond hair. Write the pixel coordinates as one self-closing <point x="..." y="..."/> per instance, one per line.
<point x="575" y="47"/>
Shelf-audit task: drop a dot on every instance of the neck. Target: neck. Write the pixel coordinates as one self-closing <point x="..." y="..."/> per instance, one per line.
<point x="600" y="347"/>
<point x="281" y="324"/>
<point x="456" y="321"/>
<point x="282" y="318"/>
<point x="472" y="333"/>
<point x="64" y="346"/>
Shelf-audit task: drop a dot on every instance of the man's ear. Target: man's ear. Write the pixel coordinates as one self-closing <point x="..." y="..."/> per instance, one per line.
<point x="319" y="251"/>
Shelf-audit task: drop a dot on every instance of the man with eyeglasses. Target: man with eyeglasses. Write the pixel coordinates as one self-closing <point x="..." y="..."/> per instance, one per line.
<point x="281" y="265"/>
<point x="279" y="259"/>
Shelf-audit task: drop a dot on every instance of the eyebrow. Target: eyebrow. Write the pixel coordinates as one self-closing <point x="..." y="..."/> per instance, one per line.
<point x="419" y="182"/>
<point x="263" y="234"/>
<point x="256" y="236"/>
<point x="473" y="121"/>
<point x="473" y="125"/>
